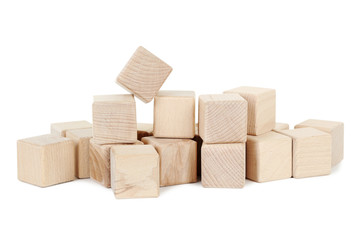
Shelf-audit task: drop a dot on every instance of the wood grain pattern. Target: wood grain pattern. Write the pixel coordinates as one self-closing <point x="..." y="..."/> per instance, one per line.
<point x="281" y="126"/>
<point x="174" y="114"/>
<point x="223" y="165"/>
<point x="144" y="74"/>
<point x="46" y="160"/>
<point x="59" y="129"/>
<point x="222" y="118"/>
<point x="144" y="130"/>
<point x="134" y="171"/>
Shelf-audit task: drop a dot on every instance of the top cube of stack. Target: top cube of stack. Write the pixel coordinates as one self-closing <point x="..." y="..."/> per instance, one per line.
<point x="144" y="74"/>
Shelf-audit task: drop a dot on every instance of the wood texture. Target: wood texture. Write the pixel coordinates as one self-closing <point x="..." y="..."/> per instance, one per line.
<point x="144" y="130"/>
<point x="46" y="160"/>
<point x="199" y="143"/>
<point x="134" y="171"/>
<point x="223" y="165"/>
<point x="336" y="129"/>
<point x="268" y="157"/>
<point x="174" y="114"/>
<point x="281" y="126"/>
<point x="81" y="138"/>
<point x="261" y="108"/>
<point x="222" y="118"/>
<point x="177" y="160"/>
<point x="114" y="119"/>
<point x="59" y="129"/>
<point x="144" y="75"/>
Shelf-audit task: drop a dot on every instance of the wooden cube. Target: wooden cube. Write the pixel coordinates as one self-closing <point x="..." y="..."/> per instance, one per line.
<point x="311" y="152"/>
<point x="199" y="143"/>
<point x="281" y="126"/>
<point x="59" y="129"/>
<point x="268" y="157"/>
<point x="144" y="130"/>
<point x="177" y="160"/>
<point x="174" y="114"/>
<point x="144" y="75"/>
<point x="134" y="171"/>
<point x="114" y="119"/>
<point x="261" y="108"/>
<point x="223" y="165"/>
<point x="336" y="129"/>
<point x="46" y="160"/>
<point x="222" y="118"/>
<point x="81" y="138"/>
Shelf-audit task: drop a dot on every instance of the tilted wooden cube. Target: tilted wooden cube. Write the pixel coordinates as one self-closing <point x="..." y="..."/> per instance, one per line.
<point x="114" y="119"/>
<point x="311" y="152"/>
<point x="177" y="160"/>
<point x="81" y="138"/>
<point x="174" y="114"/>
<point x="59" y="129"/>
<point x="261" y="108"/>
<point x="144" y="74"/>
<point x="46" y="160"/>
<point x="144" y="130"/>
<point x="223" y="165"/>
<point x="134" y="171"/>
<point x="268" y="157"/>
<point x="281" y="126"/>
<point x="336" y="129"/>
<point x="222" y="118"/>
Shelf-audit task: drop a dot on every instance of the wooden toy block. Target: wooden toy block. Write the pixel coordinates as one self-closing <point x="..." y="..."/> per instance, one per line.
<point x="177" y="160"/>
<point x="174" y="114"/>
<point x="46" y="160"/>
<point x="134" y="171"/>
<point x="144" y="130"/>
<point x="81" y="138"/>
<point x="59" y="129"/>
<point x="100" y="161"/>
<point x="114" y="119"/>
<point x="144" y="75"/>
<point x="261" y="108"/>
<point x="311" y="152"/>
<point x="223" y="165"/>
<point x="268" y="157"/>
<point x="199" y="143"/>
<point x="281" y="126"/>
<point x="222" y="118"/>
<point x="336" y="130"/>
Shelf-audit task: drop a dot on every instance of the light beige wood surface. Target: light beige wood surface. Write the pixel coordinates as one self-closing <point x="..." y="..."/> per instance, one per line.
<point x="174" y="114"/>
<point x="46" y="160"/>
<point x="268" y="157"/>
<point x="199" y="143"/>
<point x="134" y="171"/>
<point x="261" y="108"/>
<point x="144" y="74"/>
<point x="114" y="119"/>
<point x="144" y="130"/>
<point x="81" y="138"/>
<point x="223" y="165"/>
<point x="59" y="129"/>
<point x="336" y="129"/>
<point x="311" y="152"/>
<point x="281" y="126"/>
<point x="222" y="118"/>
<point x="177" y="160"/>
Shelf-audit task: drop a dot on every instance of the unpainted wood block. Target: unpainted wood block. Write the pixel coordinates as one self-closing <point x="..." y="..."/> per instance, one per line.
<point x="81" y="138"/>
<point x="223" y="165"/>
<point x="99" y="161"/>
<point x="144" y="130"/>
<point x="199" y="143"/>
<point x="59" y="129"/>
<point x="281" y="126"/>
<point x="114" y="119"/>
<point x="46" y="160"/>
<point x="134" y="171"/>
<point x="261" y="108"/>
<point x="222" y="118"/>
<point x="177" y="160"/>
<point x="174" y="114"/>
<point x="268" y="157"/>
<point x="311" y="152"/>
<point x="144" y="74"/>
<point x="336" y="129"/>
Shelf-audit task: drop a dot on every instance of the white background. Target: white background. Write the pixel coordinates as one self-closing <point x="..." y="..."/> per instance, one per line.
<point x="55" y="56"/>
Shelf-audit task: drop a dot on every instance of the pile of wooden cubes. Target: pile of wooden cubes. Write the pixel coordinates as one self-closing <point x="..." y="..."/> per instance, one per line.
<point x="236" y="138"/>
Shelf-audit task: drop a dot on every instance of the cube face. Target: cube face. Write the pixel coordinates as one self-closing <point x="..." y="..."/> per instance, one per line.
<point x="223" y="165"/>
<point x="261" y="108"/>
<point x="281" y="126"/>
<point x="114" y="119"/>
<point x="268" y="157"/>
<point x="59" y="129"/>
<point x="174" y="114"/>
<point x="144" y="130"/>
<point x="144" y="74"/>
<point x="222" y="118"/>
<point x="134" y="171"/>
